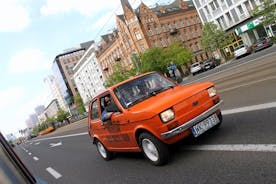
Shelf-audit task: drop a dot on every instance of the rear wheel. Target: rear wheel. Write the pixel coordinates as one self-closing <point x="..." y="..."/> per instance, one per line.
<point x="105" y="154"/>
<point x="153" y="149"/>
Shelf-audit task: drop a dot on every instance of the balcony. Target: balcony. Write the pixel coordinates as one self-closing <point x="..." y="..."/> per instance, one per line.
<point x="117" y="58"/>
<point x="105" y="69"/>
<point x="173" y="31"/>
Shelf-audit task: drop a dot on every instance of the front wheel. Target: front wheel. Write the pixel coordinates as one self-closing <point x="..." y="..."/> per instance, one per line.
<point x="105" y="154"/>
<point x="153" y="149"/>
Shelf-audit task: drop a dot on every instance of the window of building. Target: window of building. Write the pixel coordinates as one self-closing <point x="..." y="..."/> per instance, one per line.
<point x="169" y="25"/>
<point x="149" y="31"/>
<point x="207" y="9"/>
<point x="163" y="28"/>
<point x="137" y="35"/>
<point x="229" y="17"/>
<point x="197" y="3"/>
<point x="155" y="43"/>
<point x="142" y="46"/>
<point x="234" y="14"/>
<point x="247" y="5"/>
<point x="181" y="23"/>
<point x="169" y="40"/>
<point x="162" y="42"/>
<point x="253" y="3"/>
<point x="240" y="9"/>
<point x="156" y="29"/>
<point x="229" y="2"/>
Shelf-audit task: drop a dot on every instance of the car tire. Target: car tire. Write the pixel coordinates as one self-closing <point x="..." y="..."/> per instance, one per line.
<point x="153" y="149"/>
<point x="104" y="153"/>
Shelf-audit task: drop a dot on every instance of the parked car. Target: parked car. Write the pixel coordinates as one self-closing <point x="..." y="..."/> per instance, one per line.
<point x="208" y="64"/>
<point x="262" y="43"/>
<point x="196" y="68"/>
<point x="241" y="50"/>
<point x="150" y="111"/>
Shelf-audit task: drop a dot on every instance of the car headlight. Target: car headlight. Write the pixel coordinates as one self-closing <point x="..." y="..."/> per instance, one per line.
<point x="167" y="115"/>
<point x="212" y="91"/>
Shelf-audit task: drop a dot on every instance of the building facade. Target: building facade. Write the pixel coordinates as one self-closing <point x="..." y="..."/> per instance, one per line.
<point x="88" y="76"/>
<point x="233" y="16"/>
<point x="143" y="28"/>
<point x="56" y="92"/>
<point x="63" y="65"/>
<point x="52" y="109"/>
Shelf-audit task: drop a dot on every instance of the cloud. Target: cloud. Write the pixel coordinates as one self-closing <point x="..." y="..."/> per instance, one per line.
<point x="14" y="17"/>
<point x="28" y="60"/>
<point x="89" y="8"/>
<point x="10" y="97"/>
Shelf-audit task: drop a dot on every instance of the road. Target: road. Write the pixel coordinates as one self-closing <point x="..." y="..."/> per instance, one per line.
<point x="243" y="150"/>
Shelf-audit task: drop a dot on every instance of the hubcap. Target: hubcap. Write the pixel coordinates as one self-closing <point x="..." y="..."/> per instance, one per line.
<point x="150" y="150"/>
<point x="101" y="149"/>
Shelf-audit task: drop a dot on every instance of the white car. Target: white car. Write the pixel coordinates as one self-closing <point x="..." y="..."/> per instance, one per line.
<point x="196" y="68"/>
<point x="241" y="50"/>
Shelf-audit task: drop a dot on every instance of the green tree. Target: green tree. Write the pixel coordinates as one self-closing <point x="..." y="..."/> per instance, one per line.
<point x="267" y="11"/>
<point x="62" y="115"/>
<point x="214" y="38"/>
<point x="78" y="101"/>
<point x="154" y="59"/>
<point x="120" y="73"/>
<point x="179" y="55"/>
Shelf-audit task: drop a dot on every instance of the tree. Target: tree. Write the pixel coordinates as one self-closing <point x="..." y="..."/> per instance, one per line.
<point x="267" y="11"/>
<point x="179" y="55"/>
<point x="214" y="38"/>
<point x="154" y="59"/>
<point x="157" y="59"/>
<point x="120" y="73"/>
<point x="78" y="101"/>
<point x="62" y="115"/>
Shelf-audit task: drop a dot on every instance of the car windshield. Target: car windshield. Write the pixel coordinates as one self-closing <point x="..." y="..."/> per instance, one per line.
<point x="140" y="89"/>
<point x="195" y="65"/>
<point x="241" y="46"/>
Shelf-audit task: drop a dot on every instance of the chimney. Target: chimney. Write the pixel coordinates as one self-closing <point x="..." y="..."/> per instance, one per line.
<point x="182" y="4"/>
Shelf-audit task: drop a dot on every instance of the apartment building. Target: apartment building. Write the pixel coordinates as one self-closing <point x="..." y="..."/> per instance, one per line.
<point x="143" y="28"/>
<point x="63" y="65"/>
<point x="234" y="16"/>
<point x="88" y="76"/>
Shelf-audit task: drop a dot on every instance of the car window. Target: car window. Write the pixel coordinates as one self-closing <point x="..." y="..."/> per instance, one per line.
<point x="94" y="110"/>
<point x="138" y="90"/>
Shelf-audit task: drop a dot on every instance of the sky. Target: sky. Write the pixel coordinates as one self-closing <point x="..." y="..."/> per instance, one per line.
<point x="32" y="33"/>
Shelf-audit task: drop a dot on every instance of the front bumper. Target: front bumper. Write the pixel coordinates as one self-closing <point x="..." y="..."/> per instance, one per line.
<point x="192" y="122"/>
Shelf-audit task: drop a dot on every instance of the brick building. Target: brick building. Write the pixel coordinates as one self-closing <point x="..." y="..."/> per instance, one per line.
<point x="143" y="28"/>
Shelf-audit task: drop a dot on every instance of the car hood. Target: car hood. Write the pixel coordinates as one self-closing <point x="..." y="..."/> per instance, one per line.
<point x="154" y="105"/>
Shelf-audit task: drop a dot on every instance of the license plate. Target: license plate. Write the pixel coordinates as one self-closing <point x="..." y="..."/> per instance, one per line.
<point x="205" y="125"/>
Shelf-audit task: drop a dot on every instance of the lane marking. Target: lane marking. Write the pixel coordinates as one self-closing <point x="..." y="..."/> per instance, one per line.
<point x="236" y="66"/>
<point x="35" y="158"/>
<point x="235" y="147"/>
<point x="30" y="153"/>
<point x="37" y="143"/>
<point x="53" y="172"/>
<point x="249" y="108"/>
<point x="247" y="84"/>
<point x="63" y="136"/>
<point x="27" y="151"/>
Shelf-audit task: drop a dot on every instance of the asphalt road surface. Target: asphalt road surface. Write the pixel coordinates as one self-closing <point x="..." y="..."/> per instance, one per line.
<point x="242" y="150"/>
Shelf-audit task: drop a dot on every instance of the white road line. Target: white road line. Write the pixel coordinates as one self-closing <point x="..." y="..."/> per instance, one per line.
<point x="30" y="153"/>
<point x="249" y="108"/>
<point x="35" y="158"/>
<point x="63" y="136"/>
<point x="235" y="147"/>
<point x="26" y="151"/>
<point x="247" y="84"/>
<point x="236" y="66"/>
<point x="37" y="143"/>
<point x="53" y="172"/>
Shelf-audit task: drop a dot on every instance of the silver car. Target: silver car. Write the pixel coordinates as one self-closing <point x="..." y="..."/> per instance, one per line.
<point x="241" y="50"/>
<point x="196" y="68"/>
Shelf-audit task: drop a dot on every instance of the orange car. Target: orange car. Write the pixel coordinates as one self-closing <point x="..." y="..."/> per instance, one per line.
<point x="149" y="111"/>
